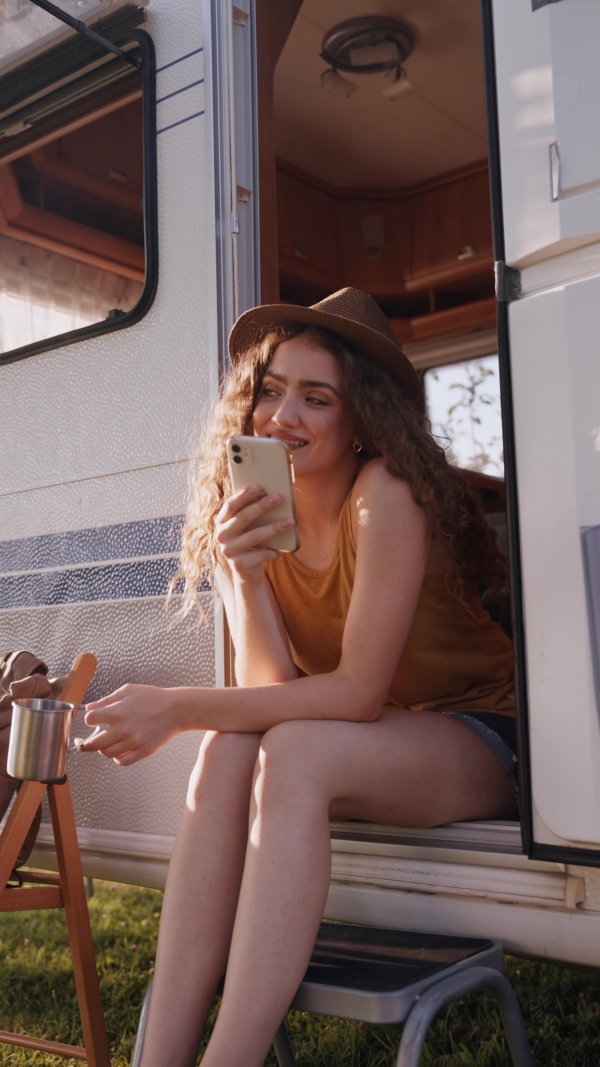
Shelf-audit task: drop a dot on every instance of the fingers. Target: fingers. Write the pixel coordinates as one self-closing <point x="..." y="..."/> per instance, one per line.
<point x="97" y="743"/>
<point x="254" y="540"/>
<point x="243" y="509"/>
<point x="120" y="752"/>
<point x="242" y="539"/>
<point x="109" y="743"/>
<point x="243" y="498"/>
<point x="128" y="759"/>
<point x="130" y="722"/>
<point x="120" y="748"/>
<point x="94" y="710"/>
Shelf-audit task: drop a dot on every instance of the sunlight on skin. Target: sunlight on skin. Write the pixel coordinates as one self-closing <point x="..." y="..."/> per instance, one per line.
<point x="364" y="515"/>
<point x="255" y="824"/>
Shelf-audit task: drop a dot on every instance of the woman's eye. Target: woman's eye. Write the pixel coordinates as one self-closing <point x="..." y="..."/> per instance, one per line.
<point x="268" y="392"/>
<point x="317" y="400"/>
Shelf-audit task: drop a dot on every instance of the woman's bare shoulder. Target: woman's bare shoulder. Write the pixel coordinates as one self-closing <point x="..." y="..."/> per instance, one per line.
<point x="375" y="484"/>
<point x="382" y="505"/>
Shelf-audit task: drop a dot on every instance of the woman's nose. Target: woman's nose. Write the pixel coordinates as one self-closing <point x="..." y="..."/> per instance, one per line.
<point x="287" y="412"/>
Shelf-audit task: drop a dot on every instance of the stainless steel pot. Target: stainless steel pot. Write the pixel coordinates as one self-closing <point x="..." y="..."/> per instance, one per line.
<point x="39" y="739"/>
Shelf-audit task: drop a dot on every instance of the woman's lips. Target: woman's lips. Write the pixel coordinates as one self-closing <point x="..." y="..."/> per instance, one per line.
<point x="293" y="443"/>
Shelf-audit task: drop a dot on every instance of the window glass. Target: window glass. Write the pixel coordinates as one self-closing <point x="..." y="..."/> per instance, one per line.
<point x="72" y="224"/>
<point x="463" y="403"/>
<point x="24" y="25"/>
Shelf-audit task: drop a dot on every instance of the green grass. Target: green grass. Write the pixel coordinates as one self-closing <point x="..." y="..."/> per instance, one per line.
<point x="37" y="996"/>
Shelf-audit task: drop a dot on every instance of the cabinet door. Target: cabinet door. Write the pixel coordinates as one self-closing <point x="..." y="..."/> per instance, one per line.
<point x="305" y="218"/>
<point x="548" y="84"/>
<point x="374" y="242"/>
<point x="451" y="224"/>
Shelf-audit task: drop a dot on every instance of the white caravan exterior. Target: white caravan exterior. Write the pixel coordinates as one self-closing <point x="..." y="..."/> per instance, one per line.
<point x="95" y="446"/>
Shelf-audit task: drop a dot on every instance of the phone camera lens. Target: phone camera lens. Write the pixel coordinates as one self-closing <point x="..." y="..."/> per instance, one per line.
<point x="237" y="459"/>
<point x="235" y="448"/>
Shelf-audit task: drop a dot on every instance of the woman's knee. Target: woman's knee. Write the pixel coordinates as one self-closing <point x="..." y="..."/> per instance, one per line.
<point x="288" y="759"/>
<point x="288" y="742"/>
<point x="223" y="758"/>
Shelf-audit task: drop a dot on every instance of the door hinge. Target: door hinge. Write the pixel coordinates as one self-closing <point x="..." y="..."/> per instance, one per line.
<point x="508" y="282"/>
<point x="235" y="223"/>
<point x="240" y="16"/>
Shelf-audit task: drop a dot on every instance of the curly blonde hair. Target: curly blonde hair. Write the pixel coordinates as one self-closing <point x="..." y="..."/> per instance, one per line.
<point x="389" y="424"/>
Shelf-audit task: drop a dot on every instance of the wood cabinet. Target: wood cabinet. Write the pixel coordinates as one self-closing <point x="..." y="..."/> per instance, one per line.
<point x="451" y="227"/>
<point x="425" y="253"/>
<point x="306" y="228"/>
<point x="374" y="243"/>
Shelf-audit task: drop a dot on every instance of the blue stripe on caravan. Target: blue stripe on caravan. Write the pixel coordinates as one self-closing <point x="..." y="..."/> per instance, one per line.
<point x="150" y="537"/>
<point x="117" y="581"/>
<point x="183" y="89"/>
<point x="179" y="60"/>
<point x="196" y="115"/>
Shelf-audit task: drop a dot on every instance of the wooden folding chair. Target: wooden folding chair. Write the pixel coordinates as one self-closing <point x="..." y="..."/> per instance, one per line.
<point x="63" y="890"/>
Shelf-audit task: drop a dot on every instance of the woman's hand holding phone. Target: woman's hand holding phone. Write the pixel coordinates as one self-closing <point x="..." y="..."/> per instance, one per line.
<point x="244" y="545"/>
<point x="262" y="478"/>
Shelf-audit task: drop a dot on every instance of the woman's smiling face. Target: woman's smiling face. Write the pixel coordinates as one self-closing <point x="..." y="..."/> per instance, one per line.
<point x="303" y="401"/>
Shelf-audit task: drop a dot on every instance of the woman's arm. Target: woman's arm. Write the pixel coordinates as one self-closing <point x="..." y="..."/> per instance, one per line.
<point x="262" y="651"/>
<point x="392" y="548"/>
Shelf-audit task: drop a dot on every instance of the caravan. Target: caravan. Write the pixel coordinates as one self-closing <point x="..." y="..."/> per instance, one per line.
<point x="218" y="158"/>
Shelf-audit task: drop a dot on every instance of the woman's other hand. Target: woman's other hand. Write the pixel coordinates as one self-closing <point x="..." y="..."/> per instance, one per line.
<point x="242" y="548"/>
<point x="137" y="720"/>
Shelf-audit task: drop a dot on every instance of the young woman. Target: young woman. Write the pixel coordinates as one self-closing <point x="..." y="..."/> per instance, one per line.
<point x="371" y="684"/>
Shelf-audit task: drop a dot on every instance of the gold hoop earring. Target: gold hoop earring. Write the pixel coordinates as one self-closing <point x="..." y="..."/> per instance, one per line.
<point x="357" y="447"/>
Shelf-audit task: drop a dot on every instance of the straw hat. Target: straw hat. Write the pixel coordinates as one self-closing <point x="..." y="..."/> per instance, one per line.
<point x="351" y="314"/>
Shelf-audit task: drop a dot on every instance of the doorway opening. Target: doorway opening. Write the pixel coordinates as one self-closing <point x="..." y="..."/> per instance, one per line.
<point x="383" y="184"/>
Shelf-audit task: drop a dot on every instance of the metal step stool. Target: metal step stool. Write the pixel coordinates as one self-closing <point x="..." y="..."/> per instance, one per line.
<point x="374" y="975"/>
<point x="395" y="976"/>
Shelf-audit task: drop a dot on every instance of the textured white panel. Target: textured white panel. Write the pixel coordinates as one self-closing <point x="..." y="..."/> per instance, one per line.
<point x="178" y="74"/>
<point x="556" y="388"/>
<point x="134" y="641"/>
<point x="134" y="397"/>
<point x="175" y="33"/>
<point x="184" y="104"/>
<point x="128" y="497"/>
<point x="105" y="428"/>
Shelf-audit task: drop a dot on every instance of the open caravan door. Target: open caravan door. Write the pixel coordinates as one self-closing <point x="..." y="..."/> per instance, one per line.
<point x="544" y="108"/>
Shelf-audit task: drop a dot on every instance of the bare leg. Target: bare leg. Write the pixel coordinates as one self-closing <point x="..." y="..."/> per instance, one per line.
<point x="411" y="769"/>
<point x="200" y="898"/>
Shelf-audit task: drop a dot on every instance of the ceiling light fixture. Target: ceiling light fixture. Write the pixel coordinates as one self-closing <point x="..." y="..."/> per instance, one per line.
<point x="335" y="83"/>
<point x="397" y="84"/>
<point x="368" y="45"/>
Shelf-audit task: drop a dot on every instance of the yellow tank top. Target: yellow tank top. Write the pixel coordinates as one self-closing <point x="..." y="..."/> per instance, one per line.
<point x="452" y="661"/>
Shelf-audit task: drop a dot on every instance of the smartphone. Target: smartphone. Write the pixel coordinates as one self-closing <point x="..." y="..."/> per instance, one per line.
<point x="267" y="462"/>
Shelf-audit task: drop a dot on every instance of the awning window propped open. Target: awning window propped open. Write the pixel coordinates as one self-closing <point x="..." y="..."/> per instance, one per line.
<point x="26" y="30"/>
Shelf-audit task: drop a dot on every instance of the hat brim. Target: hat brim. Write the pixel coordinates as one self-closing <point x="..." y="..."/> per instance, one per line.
<point x="254" y="325"/>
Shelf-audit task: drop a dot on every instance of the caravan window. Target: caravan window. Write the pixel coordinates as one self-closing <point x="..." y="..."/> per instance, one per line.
<point x="77" y="193"/>
<point x="463" y="404"/>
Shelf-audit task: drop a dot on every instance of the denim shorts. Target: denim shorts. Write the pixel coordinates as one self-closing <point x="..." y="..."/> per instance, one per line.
<point x="499" y="734"/>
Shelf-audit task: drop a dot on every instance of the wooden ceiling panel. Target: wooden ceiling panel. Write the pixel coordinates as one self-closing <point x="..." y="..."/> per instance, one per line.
<point x="368" y="140"/>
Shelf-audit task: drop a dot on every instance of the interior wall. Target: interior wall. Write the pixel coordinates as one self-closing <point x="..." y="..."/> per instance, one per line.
<point x="274" y="23"/>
